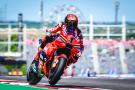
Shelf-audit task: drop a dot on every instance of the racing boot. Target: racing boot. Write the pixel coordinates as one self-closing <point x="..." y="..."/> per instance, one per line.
<point x="35" y="66"/>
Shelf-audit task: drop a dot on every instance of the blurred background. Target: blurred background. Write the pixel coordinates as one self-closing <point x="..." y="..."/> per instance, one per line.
<point x="108" y="28"/>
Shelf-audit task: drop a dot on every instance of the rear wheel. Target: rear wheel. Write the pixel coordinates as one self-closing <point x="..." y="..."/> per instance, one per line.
<point x="32" y="77"/>
<point x="57" y="71"/>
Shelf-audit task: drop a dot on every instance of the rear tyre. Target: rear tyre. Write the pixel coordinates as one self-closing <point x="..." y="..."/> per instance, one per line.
<point x="32" y="77"/>
<point x="57" y="72"/>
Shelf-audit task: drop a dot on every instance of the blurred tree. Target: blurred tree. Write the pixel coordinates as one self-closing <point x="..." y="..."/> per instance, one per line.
<point x="14" y="47"/>
<point x="131" y="35"/>
<point x="23" y="69"/>
<point x="14" y="38"/>
<point x="9" y="67"/>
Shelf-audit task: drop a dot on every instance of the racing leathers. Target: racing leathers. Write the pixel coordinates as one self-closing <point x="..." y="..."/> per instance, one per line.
<point x="61" y="29"/>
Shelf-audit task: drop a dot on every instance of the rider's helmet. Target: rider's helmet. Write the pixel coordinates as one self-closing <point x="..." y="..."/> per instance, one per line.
<point x="71" y="21"/>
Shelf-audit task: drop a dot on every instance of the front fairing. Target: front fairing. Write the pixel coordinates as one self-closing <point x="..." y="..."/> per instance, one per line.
<point x="60" y="43"/>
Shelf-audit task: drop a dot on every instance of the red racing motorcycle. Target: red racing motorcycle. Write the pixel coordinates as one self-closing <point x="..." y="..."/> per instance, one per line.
<point x="60" y="54"/>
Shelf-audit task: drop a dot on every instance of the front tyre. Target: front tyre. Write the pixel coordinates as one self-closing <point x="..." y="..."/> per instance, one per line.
<point x="58" y="71"/>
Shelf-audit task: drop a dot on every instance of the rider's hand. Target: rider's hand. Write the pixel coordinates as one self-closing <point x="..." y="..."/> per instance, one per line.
<point x="48" y="32"/>
<point x="68" y="45"/>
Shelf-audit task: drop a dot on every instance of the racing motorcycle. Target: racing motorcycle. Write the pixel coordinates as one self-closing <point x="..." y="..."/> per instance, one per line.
<point x="60" y="54"/>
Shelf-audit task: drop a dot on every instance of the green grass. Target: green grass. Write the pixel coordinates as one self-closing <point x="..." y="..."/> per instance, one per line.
<point x="19" y="87"/>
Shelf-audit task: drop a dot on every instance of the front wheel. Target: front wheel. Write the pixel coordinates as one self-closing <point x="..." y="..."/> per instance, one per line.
<point x="58" y="71"/>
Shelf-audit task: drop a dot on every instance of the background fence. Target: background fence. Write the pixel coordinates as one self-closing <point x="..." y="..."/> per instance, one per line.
<point x="106" y="48"/>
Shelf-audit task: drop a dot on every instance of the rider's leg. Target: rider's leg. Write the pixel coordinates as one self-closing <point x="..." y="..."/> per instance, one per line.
<point x="45" y="40"/>
<point x="40" y="48"/>
<point x="36" y="58"/>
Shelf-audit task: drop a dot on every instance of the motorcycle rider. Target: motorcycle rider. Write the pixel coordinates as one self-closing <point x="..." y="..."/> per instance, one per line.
<point x="70" y="26"/>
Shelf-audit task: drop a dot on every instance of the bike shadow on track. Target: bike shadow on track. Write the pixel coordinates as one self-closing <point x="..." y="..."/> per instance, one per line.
<point x="57" y="86"/>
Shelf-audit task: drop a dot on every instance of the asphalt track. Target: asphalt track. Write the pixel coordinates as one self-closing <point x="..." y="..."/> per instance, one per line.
<point x="92" y="83"/>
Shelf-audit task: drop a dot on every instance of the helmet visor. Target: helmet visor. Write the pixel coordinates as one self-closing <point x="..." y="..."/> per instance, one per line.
<point x="71" y="23"/>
